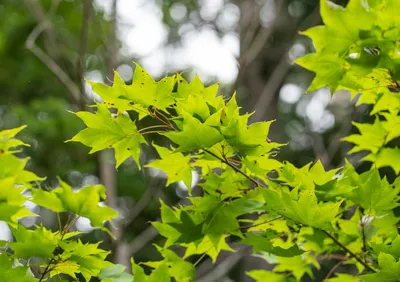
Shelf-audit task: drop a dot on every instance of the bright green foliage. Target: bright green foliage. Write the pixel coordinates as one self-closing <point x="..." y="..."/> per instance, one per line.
<point x="115" y="273"/>
<point x="8" y="273"/>
<point x="194" y="135"/>
<point x="83" y="203"/>
<point x="105" y="131"/>
<point x="261" y="275"/>
<point x="291" y="217"/>
<point x="59" y="252"/>
<point x="175" y="164"/>
<point x="303" y="208"/>
<point x="361" y="56"/>
<point x="301" y="213"/>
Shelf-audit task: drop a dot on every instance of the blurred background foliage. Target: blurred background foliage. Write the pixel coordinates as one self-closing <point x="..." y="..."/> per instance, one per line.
<point x="48" y="47"/>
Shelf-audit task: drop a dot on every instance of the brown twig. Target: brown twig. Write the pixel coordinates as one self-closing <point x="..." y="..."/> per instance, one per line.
<point x="153" y="126"/>
<point x="235" y="168"/>
<point x="332" y="270"/>
<point x="261" y="223"/>
<point x="46" y="270"/>
<point x="348" y="251"/>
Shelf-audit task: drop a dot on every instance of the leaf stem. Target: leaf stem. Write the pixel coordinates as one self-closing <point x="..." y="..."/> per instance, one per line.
<point x="153" y="126"/>
<point x="154" y="114"/>
<point x="235" y="168"/>
<point x="46" y="270"/>
<point x="156" y="110"/>
<point x="59" y="223"/>
<point x="261" y="223"/>
<point x="199" y="260"/>
<point x="153" y="131"/>
<point x="348" y="251"/>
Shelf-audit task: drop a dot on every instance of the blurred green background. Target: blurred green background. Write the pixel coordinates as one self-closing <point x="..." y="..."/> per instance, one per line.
<point x="48" y="47"/>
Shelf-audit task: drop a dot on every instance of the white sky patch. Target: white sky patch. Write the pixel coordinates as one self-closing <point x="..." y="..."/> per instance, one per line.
<point x="210" y="8"/>
<point x="5" y="232"/>
<point x="94" y="76"/>
<point x="178" y="12"/>
<point x="291" y="93"/>
<point x="83" y="224"/>
<point x="144" y="36"/>
<point x="205" y="52"/>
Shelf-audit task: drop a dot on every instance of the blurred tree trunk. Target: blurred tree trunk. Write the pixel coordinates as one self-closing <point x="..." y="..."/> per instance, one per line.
<point x="106" y="157"/>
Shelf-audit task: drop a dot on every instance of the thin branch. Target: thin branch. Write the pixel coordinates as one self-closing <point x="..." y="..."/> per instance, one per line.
<point x="260" y="39"/>
<point x="235" y="168"/>
<point x="261" y="223"/>
<point x="46" y="270"/>
<point x="153" y="126"/>
<point x="333" y="269"/>
<point x="142" y="239"/>
<point x="143" y="201"/>
<point x="80" y="64"/>
<point x="348" y="251"/>
<point x="364" y="237"/>
<point x="30" y="44"/>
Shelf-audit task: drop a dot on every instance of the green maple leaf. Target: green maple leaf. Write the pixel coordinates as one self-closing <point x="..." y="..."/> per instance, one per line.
<point x="89" y="257"/>
<point x="196" y="106"/>
<point x="298" y="266"/>
<point x="393" y="249"/>
<point x="260" y="275"/>
<point x="15" y="168"/>
<point x="85" y="202"/>
<point x="246" y="139"/>
<point x="333" y="42"/>
<point x="7" y="140"/>
<point x="386" y="157"/>
<point x="115" y="96"/>
<point x="211" y="245"/>
<point x="160" y="274"/>
<point x="374" y="193"/>
<point x="262" y="243"/>
<point x="115" y="273"/>
<point x="329" y="70"/>
<point x="195" y="88"/>
<point x="189" y="231"/>
<point x="27" y="242"/>
<point x="222" y="218"/>
<point x="65" y="267"/>
<point x="392" y="124"/>
<point x="175" y="165"/>
<point x="261" y="165"/>
<point x="104" y="131"/>
<point x="340" y="30"/>
<point x="147" y="92"/>
<point x="305" y="175"/>
<point x="179" y="269"/>
<point x="389" y="270"/>
<point x="195" y="135"/>
<point x="306" y="209"/>
<point x="387" y="101"/>
<point x="228" y="184"/>
<point x="11" y="202"/>
<point x="168" y="216"/>
<point x="371" y="138"/>
<point x="9" y="273"/>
